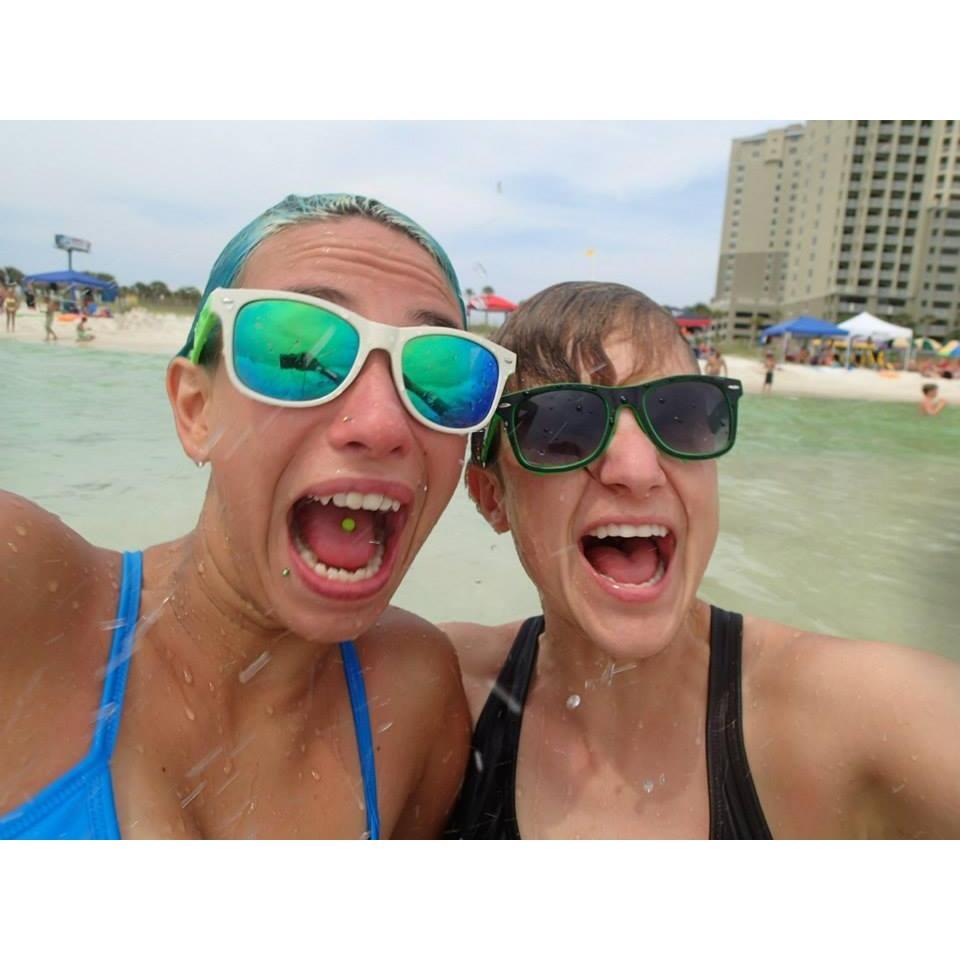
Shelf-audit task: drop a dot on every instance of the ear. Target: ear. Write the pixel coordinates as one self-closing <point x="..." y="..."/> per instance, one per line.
<point x="189" y="387"/>
<point x="486" y="491"/>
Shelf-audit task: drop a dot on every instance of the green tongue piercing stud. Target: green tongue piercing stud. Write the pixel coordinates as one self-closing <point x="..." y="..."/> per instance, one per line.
<point x="348" y="524"/>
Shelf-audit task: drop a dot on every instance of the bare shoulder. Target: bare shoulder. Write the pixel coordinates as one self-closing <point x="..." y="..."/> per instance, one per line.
<point x="49" y="572"/>
<point x="858" y="730"/>
<point x="481" y="651"/>
<point x="796" y="662"/>
<point x="56" y="591"/>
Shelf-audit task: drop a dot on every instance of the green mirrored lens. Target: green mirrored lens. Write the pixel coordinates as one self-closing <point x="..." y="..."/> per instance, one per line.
<point x="450" y="380"/>
<point x="292" y="351"/>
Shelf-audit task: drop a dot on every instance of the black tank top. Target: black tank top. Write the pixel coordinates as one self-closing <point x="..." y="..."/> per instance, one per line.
<point x="486" y="808"/>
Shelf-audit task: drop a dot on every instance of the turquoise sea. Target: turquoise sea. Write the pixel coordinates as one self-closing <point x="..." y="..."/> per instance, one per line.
<point x="836" y="515"/>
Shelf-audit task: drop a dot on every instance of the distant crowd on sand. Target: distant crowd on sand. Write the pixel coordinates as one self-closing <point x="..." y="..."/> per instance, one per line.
<point x="13" y="296"/>
<point x="864" y="356"/>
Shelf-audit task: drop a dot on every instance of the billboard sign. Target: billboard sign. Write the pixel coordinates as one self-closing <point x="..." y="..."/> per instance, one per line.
<point x="62" y="242"/>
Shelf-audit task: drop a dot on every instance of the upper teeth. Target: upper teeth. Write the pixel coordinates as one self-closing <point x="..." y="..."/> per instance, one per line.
<point x="628" y="530"/>
<point x="359" y="501"/>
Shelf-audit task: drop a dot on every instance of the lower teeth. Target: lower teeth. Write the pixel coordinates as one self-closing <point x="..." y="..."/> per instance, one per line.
<point x="336" y="573"/>
<point x="652" y="582"/>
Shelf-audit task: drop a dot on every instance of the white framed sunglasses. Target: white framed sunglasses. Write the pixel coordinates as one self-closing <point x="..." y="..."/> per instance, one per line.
<point x="293" y="350"/>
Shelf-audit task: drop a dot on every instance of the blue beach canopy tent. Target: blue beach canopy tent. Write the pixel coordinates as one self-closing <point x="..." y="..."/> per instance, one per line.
<point x="803" y="327"/>
<point x="73" y="280"/>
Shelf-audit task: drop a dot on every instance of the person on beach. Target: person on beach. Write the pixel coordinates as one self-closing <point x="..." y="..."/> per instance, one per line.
<point x="715" y="366"/>
<point x="10" y="306"/>
<point x="628" y="706"/>
<point x="249" y="679"/>
<point x="931" y="404"/>
<point x="769" y="366"/>
<point x="50" y="312"/>
<point x="83" y="331"/>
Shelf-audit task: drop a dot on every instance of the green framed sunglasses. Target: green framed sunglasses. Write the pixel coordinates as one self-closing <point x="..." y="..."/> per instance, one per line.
<point x="566" y="426"/>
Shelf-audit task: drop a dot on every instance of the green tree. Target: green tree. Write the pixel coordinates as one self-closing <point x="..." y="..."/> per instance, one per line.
<point x="188" y="294"/>
<point x="13" y="274"/>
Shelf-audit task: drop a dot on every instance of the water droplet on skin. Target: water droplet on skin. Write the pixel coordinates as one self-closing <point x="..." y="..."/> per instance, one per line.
<point x="269" y="711"/>
<point x="187" y="675"/>
<point x="12" y="546"/>
<point x="210" y="686"/>
<point x="200" y="568"/>
<point x="228" y="767"/>
<point x="53" y="586"/>
<point x="303" y="748"/>
<point x="21" y="530"/>
<point x="190" y="714"/>
<point x="663" y="779"/>
<point x="252" y="807"/>
<point x="385" y="727"/>
<point x="314" y="774"/>
<point x="573" y="701"/>
<point x="648" y="786"/>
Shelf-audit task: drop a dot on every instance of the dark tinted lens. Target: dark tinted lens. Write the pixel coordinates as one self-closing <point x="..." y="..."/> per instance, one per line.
<point x="560" y="427"/>
<point x="292" y="351"/>
<point x="690" y="416"/>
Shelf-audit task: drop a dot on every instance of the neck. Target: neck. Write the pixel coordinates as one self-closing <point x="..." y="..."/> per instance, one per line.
<point x="231" y="661"/>
<point x="614" y="701"/>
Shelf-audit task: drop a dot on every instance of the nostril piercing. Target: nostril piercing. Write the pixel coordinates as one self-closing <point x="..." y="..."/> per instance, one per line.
<point x="347" y="419"/>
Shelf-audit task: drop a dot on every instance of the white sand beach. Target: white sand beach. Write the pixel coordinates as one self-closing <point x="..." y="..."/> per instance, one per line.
<point x="798" y="380"/>
<point x="141" y="331"/>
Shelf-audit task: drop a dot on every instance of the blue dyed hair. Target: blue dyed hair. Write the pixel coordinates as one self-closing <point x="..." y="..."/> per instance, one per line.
<point x="321" y="206"/>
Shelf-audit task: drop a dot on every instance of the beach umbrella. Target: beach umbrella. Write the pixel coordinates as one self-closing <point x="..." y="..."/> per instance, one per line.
<point x="919" y="344"/>
<point x="951" y="349"/>
<point x="490" y="303"/>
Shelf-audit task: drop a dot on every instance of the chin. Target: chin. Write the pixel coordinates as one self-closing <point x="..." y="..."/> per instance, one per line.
<point x="629" y="636"/>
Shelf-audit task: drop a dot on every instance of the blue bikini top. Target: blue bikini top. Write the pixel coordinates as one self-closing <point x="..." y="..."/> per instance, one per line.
<point x="79" y="805"/>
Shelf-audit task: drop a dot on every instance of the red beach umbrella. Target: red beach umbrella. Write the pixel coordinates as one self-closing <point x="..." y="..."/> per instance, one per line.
<point x="491" y="303"/>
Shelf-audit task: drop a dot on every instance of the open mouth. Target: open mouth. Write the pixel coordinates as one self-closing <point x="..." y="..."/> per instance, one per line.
<point x="344" y="542"/>
<point x="629" y="555"/>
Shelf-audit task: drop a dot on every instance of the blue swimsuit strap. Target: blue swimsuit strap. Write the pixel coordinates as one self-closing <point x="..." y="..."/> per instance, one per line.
<point x="115" y="681"/>
<point x="361" y="723"/>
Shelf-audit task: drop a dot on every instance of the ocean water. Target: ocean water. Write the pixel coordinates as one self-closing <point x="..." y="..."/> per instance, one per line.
<point x="838" y="516"/>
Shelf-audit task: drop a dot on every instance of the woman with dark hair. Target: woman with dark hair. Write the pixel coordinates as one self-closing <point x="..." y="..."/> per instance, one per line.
<point x="628" y="706"/>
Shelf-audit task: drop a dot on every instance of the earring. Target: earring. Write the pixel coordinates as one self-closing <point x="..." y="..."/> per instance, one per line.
<point x="199" y="463"/>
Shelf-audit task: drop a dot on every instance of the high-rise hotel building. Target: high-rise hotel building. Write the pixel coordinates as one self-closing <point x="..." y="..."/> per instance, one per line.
<point x="838" y="216"/>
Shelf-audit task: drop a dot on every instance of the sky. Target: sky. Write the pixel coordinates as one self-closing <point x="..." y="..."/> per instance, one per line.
<point x="516" y="204"/>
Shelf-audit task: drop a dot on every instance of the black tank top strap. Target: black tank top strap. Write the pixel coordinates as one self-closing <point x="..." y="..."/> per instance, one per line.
<point x="486" y="808"/>
<point x="735" y="811"/>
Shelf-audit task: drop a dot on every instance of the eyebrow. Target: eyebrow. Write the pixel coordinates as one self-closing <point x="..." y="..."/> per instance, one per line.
<point x="426" y="318"/>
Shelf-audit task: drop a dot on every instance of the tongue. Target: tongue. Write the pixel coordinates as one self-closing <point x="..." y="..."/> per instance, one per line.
<point x="322" y="529"/>
<point x="635" y="561"/>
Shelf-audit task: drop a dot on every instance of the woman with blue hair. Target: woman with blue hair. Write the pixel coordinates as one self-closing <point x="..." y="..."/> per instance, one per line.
<point x="253" y="681"/>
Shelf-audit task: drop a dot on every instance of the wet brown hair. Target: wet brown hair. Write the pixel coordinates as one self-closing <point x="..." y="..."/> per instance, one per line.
<point x="559" y="333"/>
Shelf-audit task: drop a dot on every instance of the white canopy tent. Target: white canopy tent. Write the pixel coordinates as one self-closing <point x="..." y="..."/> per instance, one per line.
<point x="866" y="326"/>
